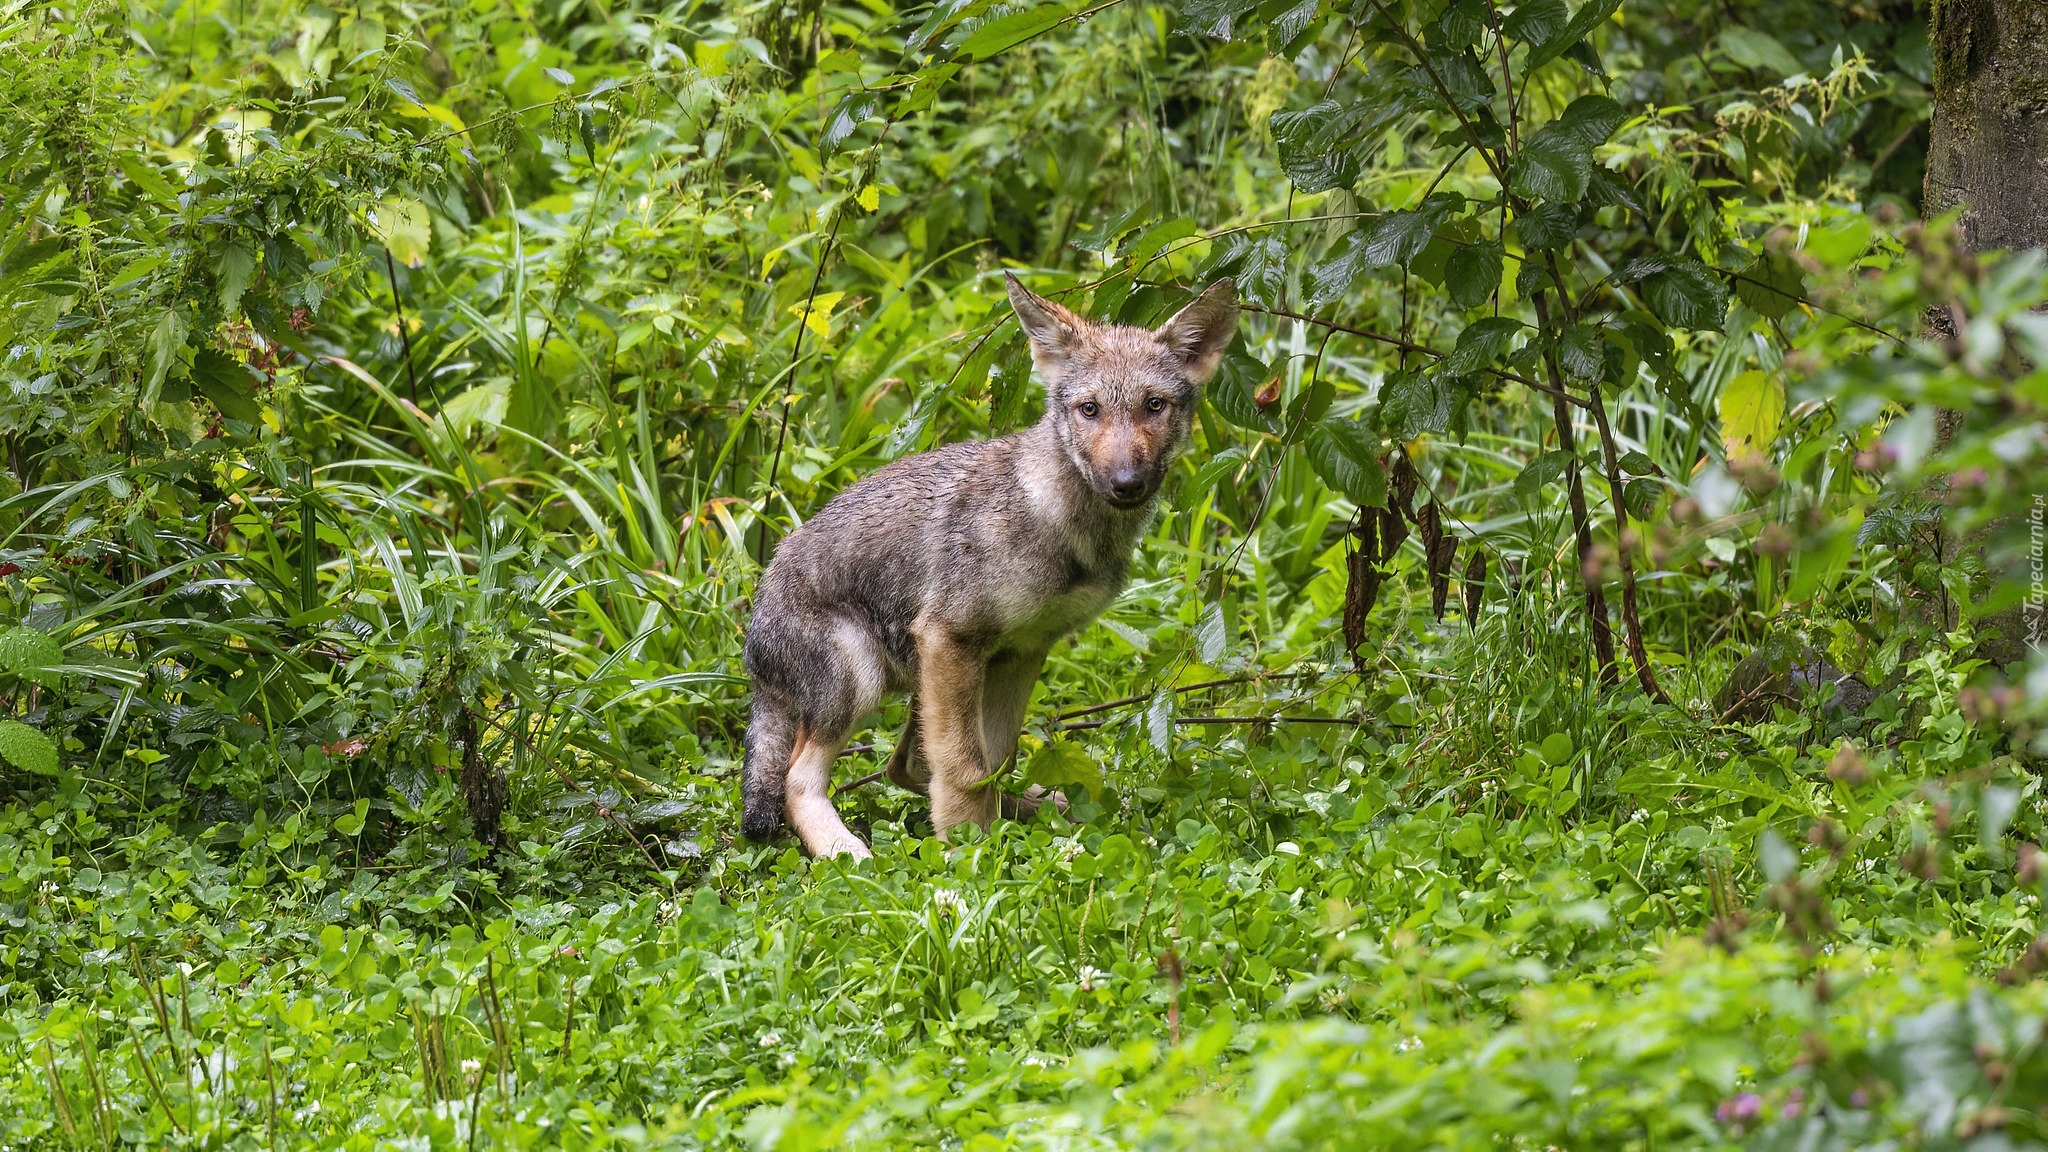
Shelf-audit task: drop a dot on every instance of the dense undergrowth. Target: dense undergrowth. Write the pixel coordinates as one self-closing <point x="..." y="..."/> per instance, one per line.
<point x="400" y="401"/>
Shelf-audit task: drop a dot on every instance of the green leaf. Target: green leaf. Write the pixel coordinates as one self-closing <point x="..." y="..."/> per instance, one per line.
<point x="1006" y="32"/>
<point x="30" y="653"/>
<point x="1480" y="343"/>
<point x="1683" y="292"/>
<point x="1772" y="286"/>
<point x="1536" y="21"/>
<point x="1414" y="403"/>
<point x="1319" y="146"/>
<point x="1059" y="763"/>
<point x="1464" y="78"/>
<point x="1212" y="634"/>
<point x="401" y="225"/>
<point x="1751" y="407"/>
<point x="853" y="110"/>
<point x="1547" y="226"/>
<point x="1346" y="454"/>
<point x="1554" y="164"/>
<point x="1636" y="463"/>
<point x="1592" y="118"/>
<point x="1761" y="51"/>
<point x="1572" y="38"/>
<point x="226" y="382"/>
<point x="1544" y="469"/>
<point x="27" y="749"/>
<point x="1231" y="390"/>
<point x="1472" y="273"/>
<point x="1257" y="263"/>
<point x="1581" y="352"/>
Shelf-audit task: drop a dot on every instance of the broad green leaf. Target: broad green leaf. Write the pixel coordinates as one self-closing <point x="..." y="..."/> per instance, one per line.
<point x="1554" y="164"/>
<point x="1592" y="119"/>
<point x="1472" y="274"/>
<point x="1544" y="469"/>
<point x="1346" y="454"/>
<point x="1683" y="292"/>
<point x="1237" y="379"/>
<point x="1760" y="50"/>
<point x="1581" y="352"/>
<point x="1212" y="634"/>
<point x="853" y="110"/>
<point x="1547" y="226"/>
<point x="29" y="653"/>
<point x="1321" y="146"/>
<point x="1536" y="21"/>
<point x="228" y="384"/>
<point x="1481" y="343"/>
<point x="401" y="225"/>
<point x="1413" y="404"/>
<point x="1006" y="32"/>
<point x="27" y="749"/>
<point x="1751" y="406"/>
<point x="1060" y="762"/>
<point x="1772" y="286"/>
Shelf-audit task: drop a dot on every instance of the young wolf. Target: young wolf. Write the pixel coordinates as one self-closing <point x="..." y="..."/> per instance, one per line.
<point x="951" y="574"/>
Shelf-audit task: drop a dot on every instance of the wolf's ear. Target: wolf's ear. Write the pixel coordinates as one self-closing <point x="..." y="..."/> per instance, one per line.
<point x="1200" y="332"/>
<point x="1053" y="330"/>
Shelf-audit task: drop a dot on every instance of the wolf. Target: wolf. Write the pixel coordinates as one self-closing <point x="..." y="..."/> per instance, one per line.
<point x="950" y="574"/>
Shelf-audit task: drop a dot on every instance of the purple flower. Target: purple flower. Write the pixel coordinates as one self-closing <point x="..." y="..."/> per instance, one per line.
<point x="1740" y="1108"/>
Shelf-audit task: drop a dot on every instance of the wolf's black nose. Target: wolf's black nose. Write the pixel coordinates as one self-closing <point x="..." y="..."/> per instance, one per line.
<point x="1127" y="484"/>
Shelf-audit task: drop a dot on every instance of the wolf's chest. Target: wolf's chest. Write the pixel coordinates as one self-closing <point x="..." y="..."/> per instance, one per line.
<point x="1035" y="618"/>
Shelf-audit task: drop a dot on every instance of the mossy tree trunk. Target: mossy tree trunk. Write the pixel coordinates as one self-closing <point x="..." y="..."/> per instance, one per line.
<point x="1987" y="155"/>
<point x="1988" y="152"/>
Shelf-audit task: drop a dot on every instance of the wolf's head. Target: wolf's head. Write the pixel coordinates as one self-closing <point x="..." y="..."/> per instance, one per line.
<point x="1121" y="399"/>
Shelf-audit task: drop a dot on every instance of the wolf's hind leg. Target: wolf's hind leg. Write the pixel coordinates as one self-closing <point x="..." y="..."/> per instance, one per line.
<point x="908" y="768"/>
<point x="809" y="796"/>
<point x="771" y="741"/>
<point x="1005" y="697"/>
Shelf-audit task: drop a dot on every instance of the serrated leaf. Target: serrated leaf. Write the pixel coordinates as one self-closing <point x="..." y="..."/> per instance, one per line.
<point x="1547" y="227"/>
<point x="227" y="383"/>
<point x="1412" y="403"/>
<point x="27" y="749"/>
<point x="1605" y="189"/>
<point x="1319" y="146"/>
<point x="1059" y="763"/>
<point x="1159" y="720"/>
<point x="1258" y="264"/>
<point x="1480" y="343"/>
<point x="1683" y="292"/>
<point x="1536" y="21"/>
<point x="1751" y="407"/>
<point x="853" y="110"/>
<point x="29" y="653"/>
<point x="1554" y="164"/>
<point x="1006" y="32"/>
<point x="1212" y="634"/>
<point x="1581" y="352"/>
<point x="1237" y="378"/>
<point x="1544" y="469"/>
<point x="1216" y="19"/>
<point x="1472" y="273"/>
<point x="1772" y="286"/>
<point x="1464" y="78"/>
<point x="1346" y="455"/>
<point x="1636" y="463"/>
<point x="1572" y="38"/>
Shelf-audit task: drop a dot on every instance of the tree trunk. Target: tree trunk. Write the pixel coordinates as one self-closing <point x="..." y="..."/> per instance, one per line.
<point x="1988" y="150"/>
<point x="1987" y="155"/>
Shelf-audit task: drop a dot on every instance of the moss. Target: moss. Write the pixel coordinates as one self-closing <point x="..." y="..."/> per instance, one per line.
<point x="1962" y="35"/>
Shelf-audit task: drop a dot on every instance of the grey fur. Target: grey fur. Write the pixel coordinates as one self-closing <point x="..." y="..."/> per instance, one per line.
<point x="951" y="574"/>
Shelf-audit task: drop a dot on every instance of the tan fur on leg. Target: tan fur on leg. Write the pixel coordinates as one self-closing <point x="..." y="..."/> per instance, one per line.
<point x="949" y="718"/>
<point x="808" y="801"/>
<point x="908" y="768"/>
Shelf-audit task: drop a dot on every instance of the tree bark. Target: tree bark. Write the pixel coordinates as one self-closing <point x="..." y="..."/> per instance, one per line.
<point x="1987" y="155"/>
<point x="1988" y="150"/>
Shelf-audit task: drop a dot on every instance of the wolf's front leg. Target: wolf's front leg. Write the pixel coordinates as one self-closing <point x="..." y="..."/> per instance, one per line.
<point x="949" y="680"/>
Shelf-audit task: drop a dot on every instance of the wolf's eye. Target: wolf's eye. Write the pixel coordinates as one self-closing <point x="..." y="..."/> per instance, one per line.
<point x="1089" y="409"/>
<point x="1155" y="404"/>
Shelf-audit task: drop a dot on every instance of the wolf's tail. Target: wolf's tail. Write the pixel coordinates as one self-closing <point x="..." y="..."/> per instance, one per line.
<point x="771" y="741"/>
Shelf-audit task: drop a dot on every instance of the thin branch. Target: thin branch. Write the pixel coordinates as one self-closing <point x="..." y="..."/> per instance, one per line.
<point x="1412" y="346"/>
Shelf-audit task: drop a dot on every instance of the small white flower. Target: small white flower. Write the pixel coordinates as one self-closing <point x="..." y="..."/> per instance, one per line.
<point x="1410" y="1044"/>
<point x="1089" y="975"/>
<point x="948" y="901"/>
<point x="770" y="1039"/>
<point x="471" y="1067"/>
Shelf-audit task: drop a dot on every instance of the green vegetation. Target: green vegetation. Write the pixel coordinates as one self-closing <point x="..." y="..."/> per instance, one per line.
<point x="399" y="401"/>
